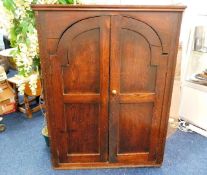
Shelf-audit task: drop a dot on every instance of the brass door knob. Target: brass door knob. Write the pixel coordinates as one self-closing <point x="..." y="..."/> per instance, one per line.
<point x="114" y="92"/>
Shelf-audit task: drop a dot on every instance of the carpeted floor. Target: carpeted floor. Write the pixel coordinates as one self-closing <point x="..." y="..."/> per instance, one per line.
<point x="23" y="152"/>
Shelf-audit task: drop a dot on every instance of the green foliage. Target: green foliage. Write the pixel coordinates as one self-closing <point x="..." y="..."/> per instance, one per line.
<point x="9" y="5"/>
<point x="65" y="1"/>
<point x="22" y="27"/>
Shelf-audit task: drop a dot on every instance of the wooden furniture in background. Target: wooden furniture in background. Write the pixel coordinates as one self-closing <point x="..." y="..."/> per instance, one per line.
<point x="28" y="97"/>
<point x="108" y="75"/>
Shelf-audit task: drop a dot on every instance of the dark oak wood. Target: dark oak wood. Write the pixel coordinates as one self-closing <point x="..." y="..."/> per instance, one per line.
<point x="107" y="75"/>
<point x="137" y="66"/>
<point x="150" y="8"/>
<point x="81" y="63"/>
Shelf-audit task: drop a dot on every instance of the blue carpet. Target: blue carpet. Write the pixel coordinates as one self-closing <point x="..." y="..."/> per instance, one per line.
<point x="23" y="152"/>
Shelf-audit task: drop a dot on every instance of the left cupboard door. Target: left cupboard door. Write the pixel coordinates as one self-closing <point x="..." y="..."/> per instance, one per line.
<point x="80" y="76"/>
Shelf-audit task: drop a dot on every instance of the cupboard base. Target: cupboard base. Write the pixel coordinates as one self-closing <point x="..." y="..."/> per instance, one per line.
<point x="72" y="166"/>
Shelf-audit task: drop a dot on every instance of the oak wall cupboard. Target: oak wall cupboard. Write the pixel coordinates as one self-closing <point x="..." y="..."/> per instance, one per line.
<point x="107" y="76"/>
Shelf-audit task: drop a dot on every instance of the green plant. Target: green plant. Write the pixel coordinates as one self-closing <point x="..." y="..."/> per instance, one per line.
<point x="23" y="37"/>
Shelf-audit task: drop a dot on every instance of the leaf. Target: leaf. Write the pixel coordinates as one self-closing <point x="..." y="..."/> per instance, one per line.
<point x="65" y="1"/>
<point x="36" y="63"/>
<point x="70" y="1"/>
<point x="21" y="72"/>
<point x="30" y="28"/>
<point x="27" y="41"/>
<point x="62" y="2"/>
<point x="9" y="5"/>
<point x="13" y="37"/>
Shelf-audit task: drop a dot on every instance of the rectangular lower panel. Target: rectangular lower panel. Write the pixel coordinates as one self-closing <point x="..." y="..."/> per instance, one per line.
<point x="83" y="128"/>
<point x="134" y="127"/>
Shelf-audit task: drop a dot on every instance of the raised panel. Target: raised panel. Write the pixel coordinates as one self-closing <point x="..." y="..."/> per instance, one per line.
<point x="134" y="127"/>
<point x="83" y="128"/>
<point x="82" y="67"/>
<point x="82" y="75"/>
<point x="137" y="74"/>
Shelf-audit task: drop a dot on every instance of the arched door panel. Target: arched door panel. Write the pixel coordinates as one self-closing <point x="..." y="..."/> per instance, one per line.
<point x="80" y="72"/>
<point x="137" y="76"/>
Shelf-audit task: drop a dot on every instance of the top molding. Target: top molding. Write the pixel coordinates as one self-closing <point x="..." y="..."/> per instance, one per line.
<point x="159" y="8"/>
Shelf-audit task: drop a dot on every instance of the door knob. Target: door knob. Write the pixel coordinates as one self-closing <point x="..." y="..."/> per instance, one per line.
<point x="114" y="92"/>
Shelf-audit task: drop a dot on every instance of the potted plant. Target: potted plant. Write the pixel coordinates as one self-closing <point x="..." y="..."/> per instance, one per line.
<point x="23" y="37"/>
<point x="2" y="126"/>
<point x="45" y="134"/>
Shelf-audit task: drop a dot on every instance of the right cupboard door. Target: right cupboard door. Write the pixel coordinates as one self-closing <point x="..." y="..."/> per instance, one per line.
<point x="137" y="82"/>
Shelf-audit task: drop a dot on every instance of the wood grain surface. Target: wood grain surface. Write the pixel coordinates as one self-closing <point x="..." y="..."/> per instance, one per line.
<point x="107" y="77"/>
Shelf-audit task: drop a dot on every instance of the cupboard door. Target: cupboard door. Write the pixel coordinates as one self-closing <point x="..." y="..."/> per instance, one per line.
<point x="137" y="81"/>
<point x="80" y="74"/>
